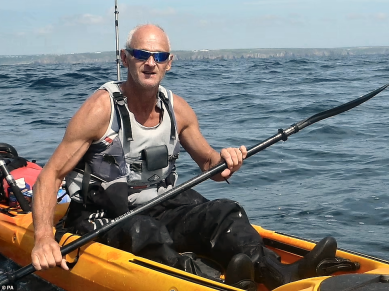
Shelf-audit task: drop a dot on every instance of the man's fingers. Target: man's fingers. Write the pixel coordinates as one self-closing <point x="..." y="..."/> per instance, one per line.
<point x="36" y="262"/>
<point x="50" y="260"/>
<point x="47" y="255"/>
<point x="43" y="262"/>
<point x="64" y="265"/>
<point x="234" y="158"/>
<point x="244" y="151"/>
<point x="57" y="254"/>
<point x="239" y="156"/>
<point x="227" y="157"/>
<point x="226" y="173"/>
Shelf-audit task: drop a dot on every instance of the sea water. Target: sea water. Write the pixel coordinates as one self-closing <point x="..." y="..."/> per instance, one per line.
<point x="331" y="178"/>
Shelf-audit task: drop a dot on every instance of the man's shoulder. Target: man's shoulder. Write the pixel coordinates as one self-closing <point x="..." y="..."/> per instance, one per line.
<point x="101" y="96"/>
<point x="111" y="86"/>
<point x="99" y="103"/>
<point x="179" y="102"/>
<point x="185" y="115"/>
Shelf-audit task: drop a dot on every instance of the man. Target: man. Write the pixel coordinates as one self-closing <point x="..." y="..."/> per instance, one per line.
<point x="119" y="151"/>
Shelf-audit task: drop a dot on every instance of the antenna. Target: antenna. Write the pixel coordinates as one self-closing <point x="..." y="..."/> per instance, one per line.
<point x="118" y="66"/>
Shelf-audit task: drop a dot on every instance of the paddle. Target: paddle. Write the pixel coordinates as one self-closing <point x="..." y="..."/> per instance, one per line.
<point x="281" y="135"/>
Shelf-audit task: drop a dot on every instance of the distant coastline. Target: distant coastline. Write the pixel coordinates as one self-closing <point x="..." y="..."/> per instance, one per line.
<point x="97" y="57"/>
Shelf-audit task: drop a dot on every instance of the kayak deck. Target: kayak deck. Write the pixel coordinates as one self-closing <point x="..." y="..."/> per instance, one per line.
<point x="100" y="267"/>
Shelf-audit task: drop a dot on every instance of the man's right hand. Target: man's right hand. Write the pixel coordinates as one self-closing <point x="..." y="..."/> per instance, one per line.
<point x="47" y="254"/>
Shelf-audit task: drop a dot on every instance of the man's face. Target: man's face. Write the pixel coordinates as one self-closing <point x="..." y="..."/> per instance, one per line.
<point x="147" y="73"/>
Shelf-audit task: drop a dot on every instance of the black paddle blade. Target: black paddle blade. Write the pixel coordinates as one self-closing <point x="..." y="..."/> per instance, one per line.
<point x="340" y="109"/>
<point x="284" y="134"/>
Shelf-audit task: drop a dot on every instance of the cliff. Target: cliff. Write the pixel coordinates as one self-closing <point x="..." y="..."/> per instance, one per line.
<point x="195" y="55"/>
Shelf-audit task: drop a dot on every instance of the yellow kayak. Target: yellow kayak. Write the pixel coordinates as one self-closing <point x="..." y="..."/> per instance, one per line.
<point x="100" y="267"/>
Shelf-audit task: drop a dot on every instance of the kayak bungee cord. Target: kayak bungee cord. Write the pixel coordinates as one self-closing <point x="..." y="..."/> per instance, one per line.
<point x="281" y="135"/>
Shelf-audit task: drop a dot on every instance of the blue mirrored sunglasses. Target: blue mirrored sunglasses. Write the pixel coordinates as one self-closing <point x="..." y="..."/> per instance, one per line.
<point x="145" y="55"/>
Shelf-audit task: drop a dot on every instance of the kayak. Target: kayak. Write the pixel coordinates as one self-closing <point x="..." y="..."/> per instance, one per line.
<point x="95" y="266"/>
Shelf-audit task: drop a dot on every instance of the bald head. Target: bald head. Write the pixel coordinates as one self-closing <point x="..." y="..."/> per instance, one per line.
<point x="149" y="33"/>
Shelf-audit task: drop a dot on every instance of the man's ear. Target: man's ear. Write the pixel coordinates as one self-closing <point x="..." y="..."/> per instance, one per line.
<point x="124" y="58"/>
<point x="169" y="65"/>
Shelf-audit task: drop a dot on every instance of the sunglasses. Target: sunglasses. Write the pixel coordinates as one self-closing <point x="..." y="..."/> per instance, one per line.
<point x="145" y="55"/>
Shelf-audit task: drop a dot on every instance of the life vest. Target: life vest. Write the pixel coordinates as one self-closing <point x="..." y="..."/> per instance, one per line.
<point x="25" y="174"/>
<point x="121" y="155"/>
<point x="25" y="178"/>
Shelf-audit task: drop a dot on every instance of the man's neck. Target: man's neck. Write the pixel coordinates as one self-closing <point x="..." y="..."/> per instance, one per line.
<point x="139" y="100"/>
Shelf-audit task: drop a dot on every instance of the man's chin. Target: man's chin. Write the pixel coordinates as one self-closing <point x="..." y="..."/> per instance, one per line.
<point x="149" y="84"/>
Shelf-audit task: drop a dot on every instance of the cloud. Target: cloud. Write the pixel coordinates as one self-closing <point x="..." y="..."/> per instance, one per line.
<point x="204" y="22"/>
<point x="268" y="19"/>
<point x="327" y="20"/>
<point x="137" y="12"/>
<point x="273" y="20"/>
<point x="164" y="12"/>
<point x="369" y="17"/>
<point x="20" y="34"/>
<point x="48" y="29"/>
<point x="296" y="19"/>
<point x="355" y="16"/>
<point x="91" y="19"/>
<point x="84" y="19"/>
<point x="381" y="16"/>
<point x="262" y="2"/>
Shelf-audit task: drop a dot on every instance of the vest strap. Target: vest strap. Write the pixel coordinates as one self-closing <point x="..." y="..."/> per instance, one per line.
<point x="121" y="102"/>
<point x="85" y="183"/>
<point x="127" y="133"/>
<point x="166" y="103"/>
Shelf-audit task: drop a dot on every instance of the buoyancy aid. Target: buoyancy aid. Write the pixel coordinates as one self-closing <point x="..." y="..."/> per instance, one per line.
<point x="126" y="152"/>
<point x="25" y="177"/>
<point x="24" y="173"/>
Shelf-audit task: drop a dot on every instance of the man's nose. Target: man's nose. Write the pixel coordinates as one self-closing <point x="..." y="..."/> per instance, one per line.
<point x="150" y="61"/>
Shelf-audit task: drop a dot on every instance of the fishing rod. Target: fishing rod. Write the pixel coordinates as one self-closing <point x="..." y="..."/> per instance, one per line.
<point x="118" y="66"/>
<point x="281" y="135"/>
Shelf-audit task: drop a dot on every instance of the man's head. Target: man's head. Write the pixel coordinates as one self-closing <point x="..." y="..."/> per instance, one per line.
<point x="144" y="69"/>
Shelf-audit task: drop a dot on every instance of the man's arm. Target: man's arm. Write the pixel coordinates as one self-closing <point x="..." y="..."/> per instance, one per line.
<point x="199" y="149"/>
<point x="88" y="124"/>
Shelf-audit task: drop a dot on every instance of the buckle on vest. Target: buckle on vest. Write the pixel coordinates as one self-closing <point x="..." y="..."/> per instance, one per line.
<point x="119" y="98"/>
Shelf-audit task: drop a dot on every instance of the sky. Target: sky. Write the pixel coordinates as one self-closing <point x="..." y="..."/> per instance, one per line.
<point x="61" y="27"/>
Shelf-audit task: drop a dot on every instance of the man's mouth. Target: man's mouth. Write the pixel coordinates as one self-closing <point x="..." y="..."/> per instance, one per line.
<point x="148" y="73"/>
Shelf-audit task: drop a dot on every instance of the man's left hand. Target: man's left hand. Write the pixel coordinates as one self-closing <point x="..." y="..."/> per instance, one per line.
<point x="234" y="158"/>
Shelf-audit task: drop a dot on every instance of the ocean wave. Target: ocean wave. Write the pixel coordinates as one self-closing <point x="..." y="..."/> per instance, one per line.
<point x="48" y="82"/>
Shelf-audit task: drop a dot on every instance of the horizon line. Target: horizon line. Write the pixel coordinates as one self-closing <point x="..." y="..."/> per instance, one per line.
<point x="205" y="50"/>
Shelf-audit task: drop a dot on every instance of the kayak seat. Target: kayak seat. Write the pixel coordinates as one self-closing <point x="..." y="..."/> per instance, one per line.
<point x="7" y="151"/>
<point x="240" y="273"/>
<point x="272" y="273"/>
